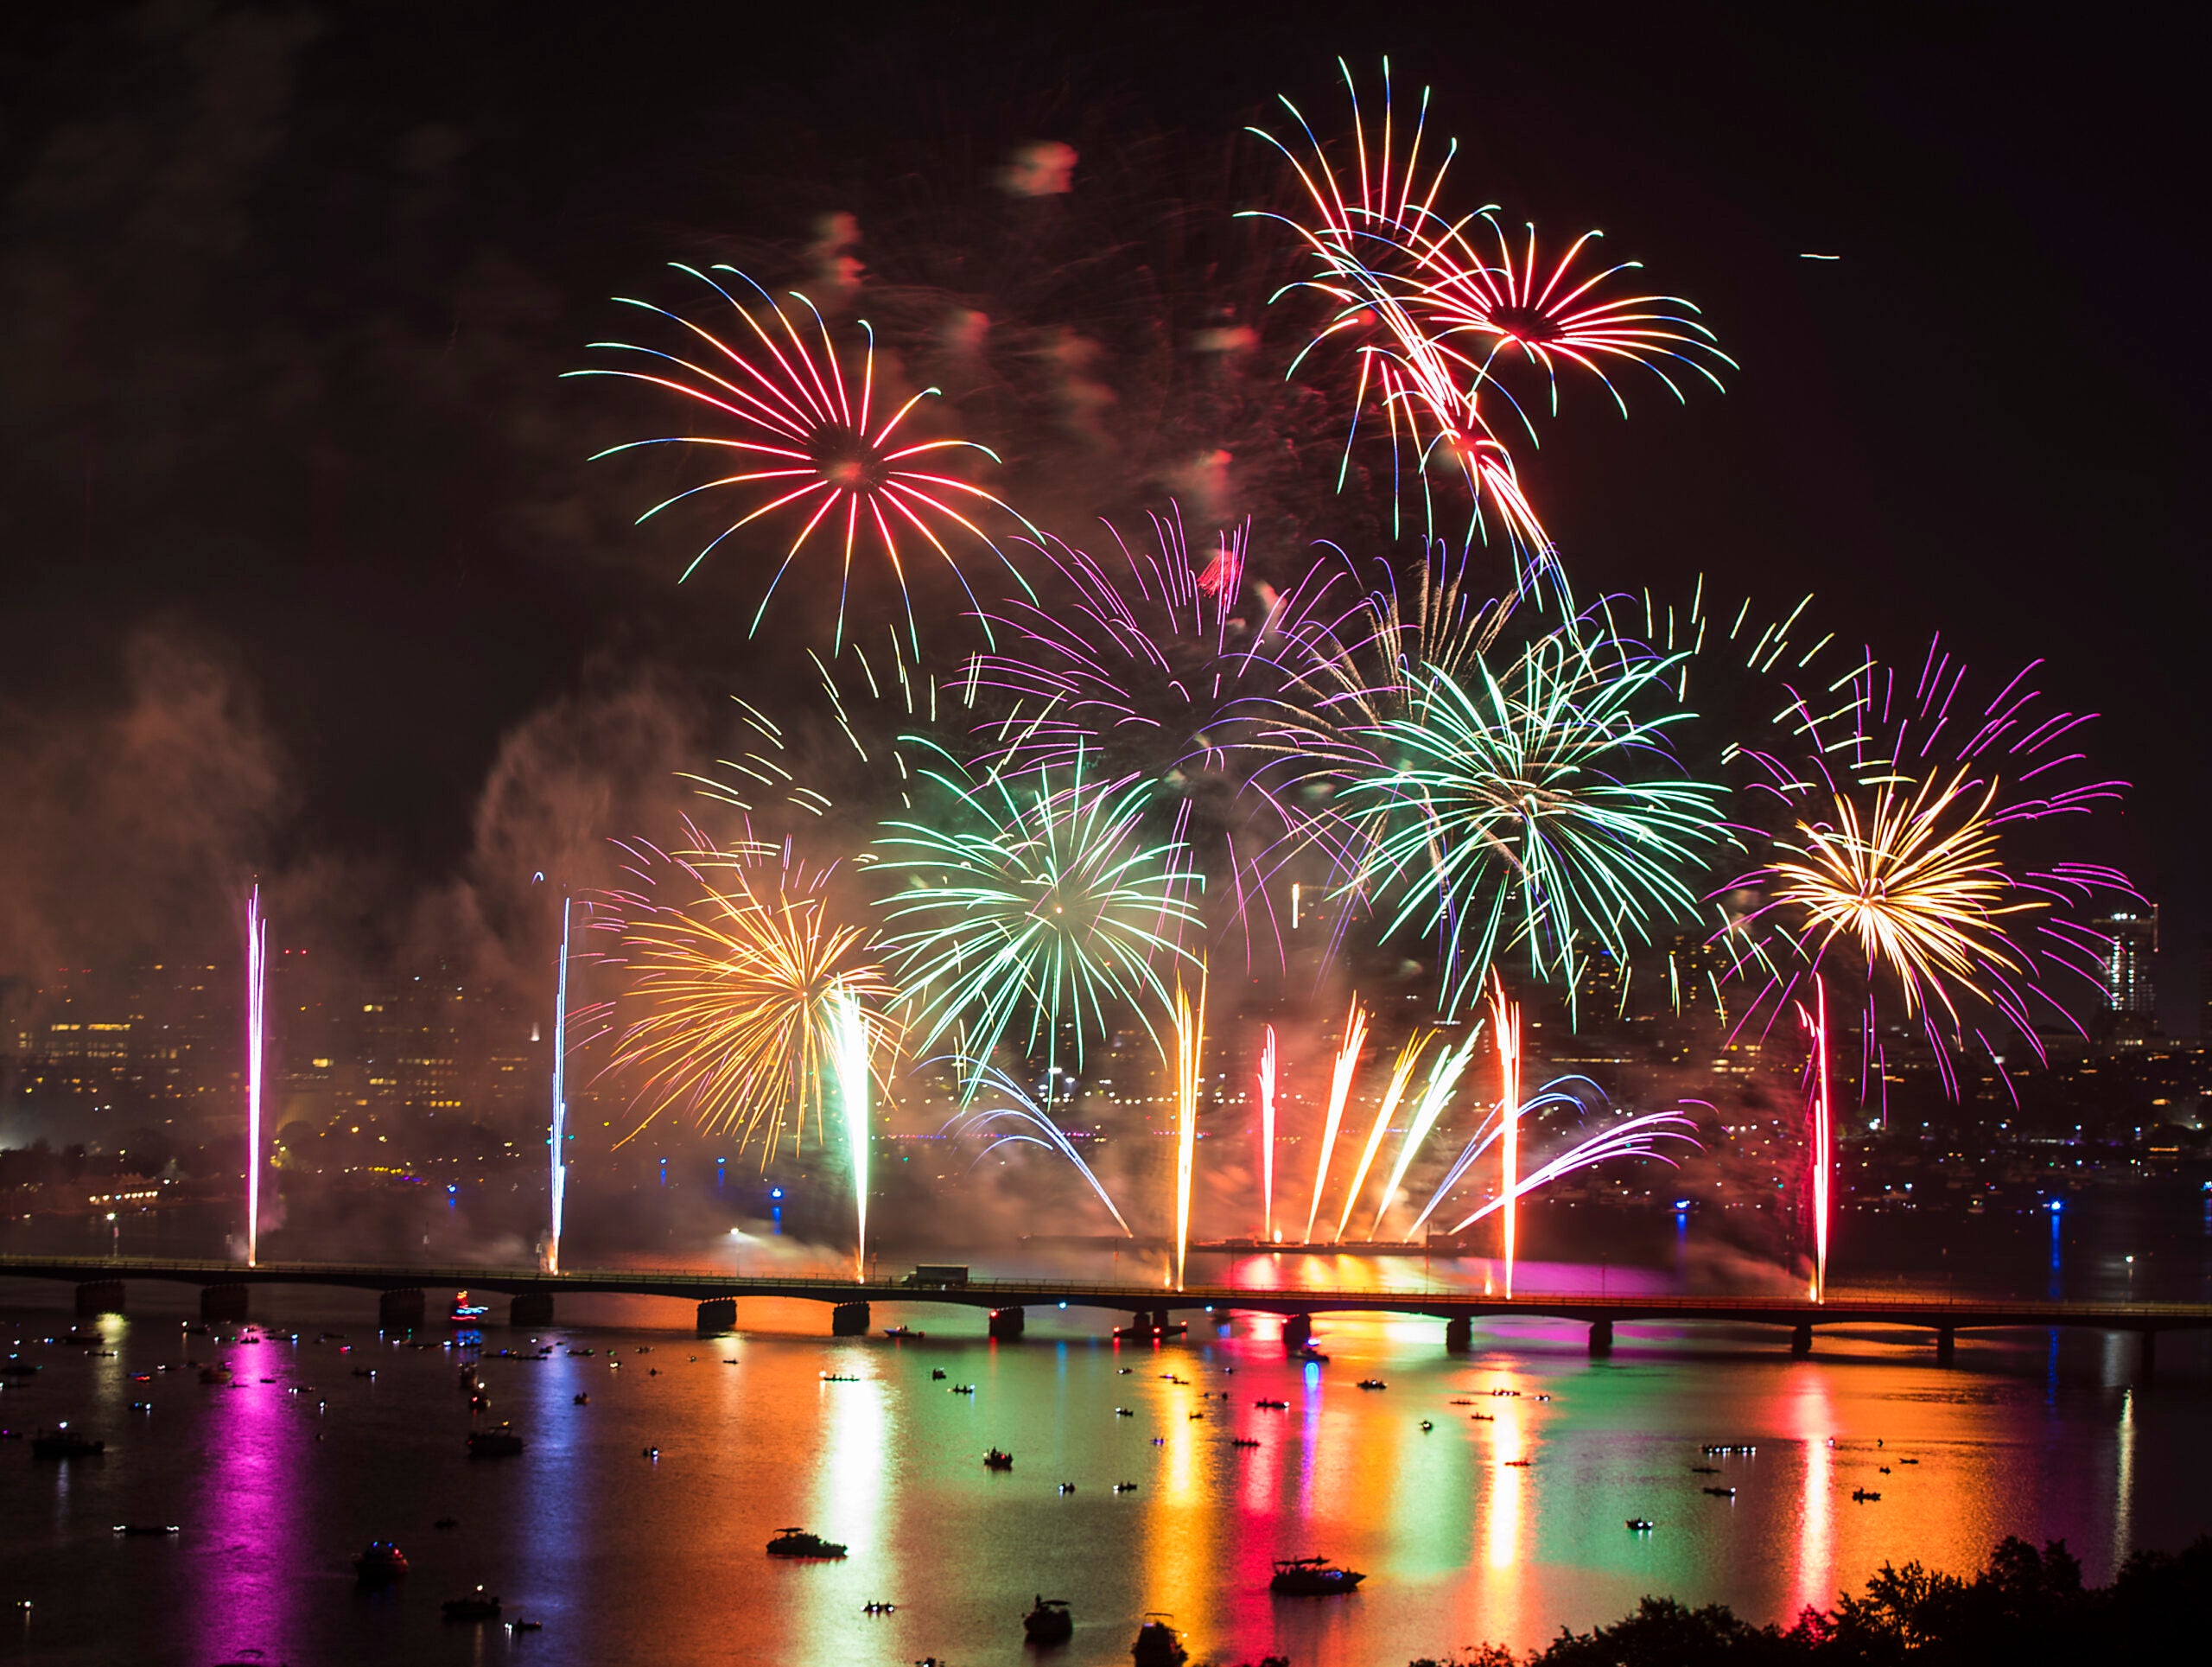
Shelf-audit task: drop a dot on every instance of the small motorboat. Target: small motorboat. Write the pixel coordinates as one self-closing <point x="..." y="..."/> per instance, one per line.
<point x="797" y="1543"/>
<point x="1860" y="1496"/>
<point x="500" y="1443"/>
<point x="359" y="1371"/>
<point x="477" y="1605"/>
<point x="466" y="1313"/>
<point x="840" y="1377"/>
<point x="1907" y="1461"/>
<point x="1722" y="1492"/>
<point x="1159" y="1645"/>
<point x="995" y="1459"/>
<point x="903" y="1332"/>
<point x="1312" y="1577"/>
<point x="146" y="1531"/>
<point x="1067" y="1487"/>
<point x="1123" y="1412"/>
<point x="1272" y="1406"/>
<point x="1125" y="1488"/>
<point x="1518" y="1464"/>
<point x="937" y="1374"/>
<point x="519" y="1624"/>
<point x="1426" y="1425"/>
<point x="875" y="1606"/>
<point x="63" y="1443"/>
<point x="1372" y="1383"/>
<point x="446" y="1522"/>
<point x="1049" y="1622"/>
<point x="964" y="1388"/>
<point x="580" y="1399"/>
<point x="1241" y="1441"/>
<point x="380" y="1563"/>
<point x="1198" y="1415"/>
<point x="1705" y="1470"/>
<point x="1312" y="1356"/>
<point x="1639" y="1524"/>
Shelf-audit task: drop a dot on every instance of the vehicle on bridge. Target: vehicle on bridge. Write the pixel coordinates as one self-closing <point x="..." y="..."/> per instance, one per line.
<point x="936" y="1276"/>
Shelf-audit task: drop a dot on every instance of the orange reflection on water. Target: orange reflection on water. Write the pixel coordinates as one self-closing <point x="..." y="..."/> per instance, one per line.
<point x="1812" y="1420"/>
<point x="1505" y="1506"/>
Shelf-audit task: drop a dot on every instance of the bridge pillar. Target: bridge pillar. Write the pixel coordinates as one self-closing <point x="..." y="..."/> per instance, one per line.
<point x="531" y="1308"/>
<point x="1947" y="1345"/>
<point x="222" y="1301"/>
<point x="2149" y="1354"/>
<point x="100" y="1297"/>
<point x="1458" y="1334"/>
<point x="1601" y="1339"/>
<point x="401" y="1310"/>
<point x="1801" y="1338"/>
<point x="1298" y="1330"/>
<point x="1007" y="1324"/>
<point x="718" y="1316"/>
<point x="848" y="1319"/>
<point x="1162" y="1320"/>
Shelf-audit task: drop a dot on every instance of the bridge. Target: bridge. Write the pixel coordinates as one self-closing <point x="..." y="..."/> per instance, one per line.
<point x="100" y="1284"/>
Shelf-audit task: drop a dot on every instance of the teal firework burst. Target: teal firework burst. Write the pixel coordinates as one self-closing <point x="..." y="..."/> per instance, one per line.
<point x="1028" y="903"/>
<point x="1537" y="806"/>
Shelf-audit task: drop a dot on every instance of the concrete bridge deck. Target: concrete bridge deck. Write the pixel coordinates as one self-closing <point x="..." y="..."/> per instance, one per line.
<point x="1946" y="1315"/>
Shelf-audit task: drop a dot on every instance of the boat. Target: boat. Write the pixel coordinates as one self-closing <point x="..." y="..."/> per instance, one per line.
<point x="500" y="1443"/>
<point x="1049" y="1622"/>
<point x="64" y="1443"/>
<point x="359" y="1371"/>
<point x="1372" y="1383"/>
<point x="446" y="1522"/>
<point x="1312" y="1577"/>
<point x="580" y="1399"/>
<point x="840" y="1377"/>
<point x="797" y="1543"/>
<point x="519" y="1624"/>
<point x="1272" y="1406"/>
<point x="1124" y="1412"/>
<point x="144" y="1531"/>
<point x="214" y="1374"/>
<point x="1125" y="1488"/>
<point x="1722" y="1492"/>
<point x="937" y="1374"/>
<point x="1426" y="1425"/>
<point x="478" y="1604"/>
<point x="379" y="1563"/>
<point x="1159" y="1645"/>
<point x="1314" y="1356"/>
<point x="1241" y="1441"/>
<point x="1860" y="1496"/>
<point x="962" y="1389"/>
<point x="995" y="1459"/>
<point x="906" y="1331"/>
<point x="466" y="1313"/>
<point x="1173" y="1328"/>
<point x="1639" y="1524"/>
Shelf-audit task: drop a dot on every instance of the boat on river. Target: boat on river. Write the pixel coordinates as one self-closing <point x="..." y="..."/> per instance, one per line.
<point x="1050" y="1622"/>
<point x="64" y="1442"/>
<point x="1312" y="1577"/>
<point x="380" y="1563"/>
<point x="995" y="1459"/>
<point x="1159" y="1645"/>
<point x="797" y="1543"/>
<point x="500" y="1443"/>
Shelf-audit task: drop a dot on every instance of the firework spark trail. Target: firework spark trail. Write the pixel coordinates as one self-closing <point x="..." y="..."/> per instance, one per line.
<point x="1267" y="1138"/>
<point x="1570" y="1091"/>
<point x="1190" y="1044"/>
<point x="1027" y="1114"/>
<point x="808" y="440"/>
<point x="1400" y="1074"/>
<point x="1897" y="813"/>
<point x="256" y="985"/>
<point x="851" y="1029"/>
<point x="1024" y="894"/>
<point x="736" y="988"/>
<point x="1436" y="1094"/>
<point x="1506" y="1019"/>
<point x="1818" y="1107"/>
<point x="557" y="1189"/>
<point x="1540" y="807"/>
<point x="1635" y="1137"/>
<point x="1339" y="1089"/>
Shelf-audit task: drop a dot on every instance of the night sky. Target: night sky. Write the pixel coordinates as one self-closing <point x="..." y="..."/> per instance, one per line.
<point x="305" y="563"/>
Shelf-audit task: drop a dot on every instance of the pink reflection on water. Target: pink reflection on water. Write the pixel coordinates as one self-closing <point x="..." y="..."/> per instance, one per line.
<point x="245" y="1599"/>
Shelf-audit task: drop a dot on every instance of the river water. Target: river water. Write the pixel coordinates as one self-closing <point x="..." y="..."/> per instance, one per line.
<point x="1502" y="1521"/>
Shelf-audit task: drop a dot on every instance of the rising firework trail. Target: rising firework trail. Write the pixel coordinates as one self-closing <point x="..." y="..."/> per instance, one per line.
<point x="1339" y="1089"/>
<point x="805" y="439"/>
<point x="851" y="1031"/>
<point x="1505" y="1017"/>
<point x="1400" y="1074"/>
<point x="1443" y="1079"/>
<point x="1817" y="1110"/>
<point x="558" y="1194"/>
<point x="1632" y="1137"/>
<point x="1190" y="1044"/>
<point x="257" y="984"/>
<point x="1267" y="1138"/>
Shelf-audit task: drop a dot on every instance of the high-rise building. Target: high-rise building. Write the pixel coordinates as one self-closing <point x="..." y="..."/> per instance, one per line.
<point x="2130" y="998"/>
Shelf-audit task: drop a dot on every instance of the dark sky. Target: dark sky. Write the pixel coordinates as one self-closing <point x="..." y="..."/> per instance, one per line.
<point x="284" y="292"/>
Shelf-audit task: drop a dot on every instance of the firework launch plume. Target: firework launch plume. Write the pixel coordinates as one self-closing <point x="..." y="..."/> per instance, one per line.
<point x="1339" y="1090"/>
<point x="852" y="1033"/>
<point x="1023" y="1123"/>
<point x="1435" y="1095"/>
<point x="1190" y="1047"/>
<point x="257" y="989"/>
<point x="1400" y="1074"/>
<point x="1505" y="1020"/>
<point x="1267" y="1090"/>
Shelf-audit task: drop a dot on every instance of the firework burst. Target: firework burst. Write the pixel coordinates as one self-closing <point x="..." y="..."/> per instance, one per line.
<point x="1022" y="898"/>
<point x="1535" y="806"/>
<point x="808" y="440"/>
<point x="745" y="988"/>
